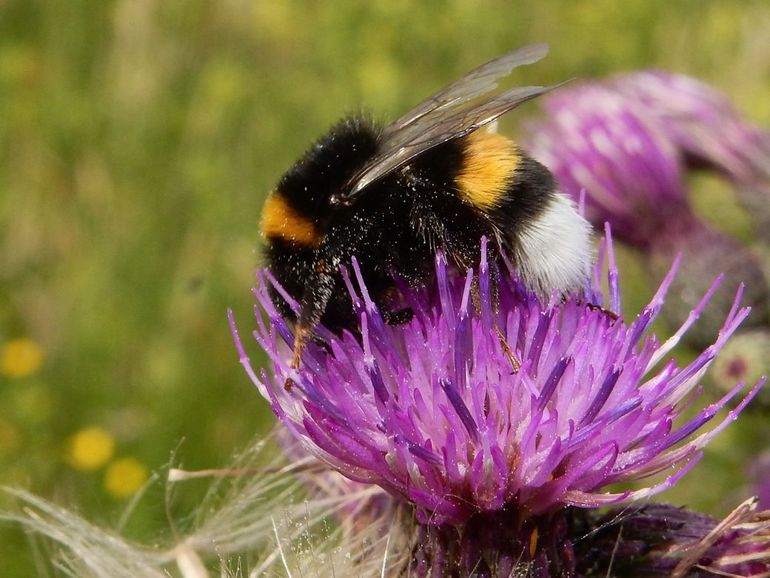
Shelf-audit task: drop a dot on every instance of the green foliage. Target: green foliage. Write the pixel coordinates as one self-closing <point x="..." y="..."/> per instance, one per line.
<point x="138" y="139"/>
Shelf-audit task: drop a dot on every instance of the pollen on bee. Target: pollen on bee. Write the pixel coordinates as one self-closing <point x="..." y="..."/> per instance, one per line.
<point x="281" y="221"/>
<point x="488" y="167"/>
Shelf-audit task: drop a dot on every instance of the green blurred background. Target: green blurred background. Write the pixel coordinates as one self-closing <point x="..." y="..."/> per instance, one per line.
<point x="137" y="141"/>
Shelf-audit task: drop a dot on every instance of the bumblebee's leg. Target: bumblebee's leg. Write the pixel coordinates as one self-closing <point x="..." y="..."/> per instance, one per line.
<point x="510" y="356"/>
<point x="463" y="245"/>
<point x="494" y="295"/>
<point x="445" y="220"/>
<point x="314" y="301"/>
<point x="393" y="307"/>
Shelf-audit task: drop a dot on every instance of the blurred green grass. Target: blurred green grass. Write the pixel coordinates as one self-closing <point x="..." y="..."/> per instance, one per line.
<point x="137" y="141"/>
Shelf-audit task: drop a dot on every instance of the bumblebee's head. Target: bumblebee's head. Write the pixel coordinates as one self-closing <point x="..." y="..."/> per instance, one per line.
<point x="324" y="170"/>
<point x="300" y="209"/>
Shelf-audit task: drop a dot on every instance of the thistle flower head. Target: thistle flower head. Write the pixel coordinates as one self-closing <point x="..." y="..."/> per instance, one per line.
<point x="629" y="141"/>
<point x="594" y="140"/>
<point x="433" y="412"/>
<point x="702" y="123"/>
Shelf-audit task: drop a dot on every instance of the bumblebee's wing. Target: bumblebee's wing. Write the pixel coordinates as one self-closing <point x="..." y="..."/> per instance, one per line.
<point x="474" y="84"/>
<point x="433" y="130"/>
<point x="447" y="115"/>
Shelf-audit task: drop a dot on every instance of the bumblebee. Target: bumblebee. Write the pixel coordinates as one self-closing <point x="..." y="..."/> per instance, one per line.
<point x="391" y="196"/>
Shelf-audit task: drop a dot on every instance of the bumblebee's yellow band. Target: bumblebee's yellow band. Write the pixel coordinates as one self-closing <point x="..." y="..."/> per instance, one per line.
<point x="489" y="163"/>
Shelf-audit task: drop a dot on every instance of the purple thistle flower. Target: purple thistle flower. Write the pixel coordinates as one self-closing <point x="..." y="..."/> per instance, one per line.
<point x="709" y="133"/>
<point x="432" y="412"/>
<point x="628" y="143"/>
<point x="703" y="124"/>
<point x="595" y="140"/>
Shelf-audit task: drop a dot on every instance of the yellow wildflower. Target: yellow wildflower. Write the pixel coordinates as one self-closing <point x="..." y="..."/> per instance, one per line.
<point x="90" y="448"/>
<point x="20" y="357"/>
<point x="124" y="477"/>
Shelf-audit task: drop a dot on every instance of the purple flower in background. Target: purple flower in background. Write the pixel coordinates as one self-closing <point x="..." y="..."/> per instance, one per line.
<point x="703" y="124"/>
<point x="594" y="140"/>
<point x="628" y="143"/>
<point x="432" y="411"/>
<point x="709" y="133"/>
